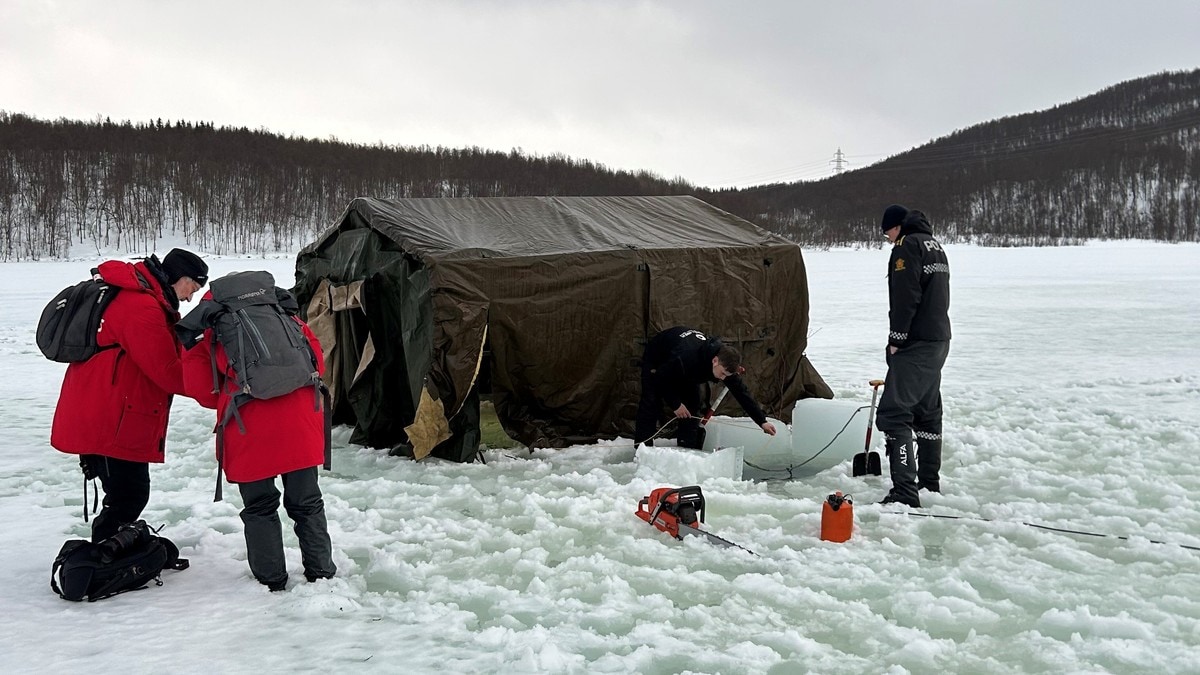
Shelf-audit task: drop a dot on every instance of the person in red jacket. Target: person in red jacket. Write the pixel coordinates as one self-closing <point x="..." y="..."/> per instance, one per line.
<point x="113" y="408"/>
<point x="285" y="437"/>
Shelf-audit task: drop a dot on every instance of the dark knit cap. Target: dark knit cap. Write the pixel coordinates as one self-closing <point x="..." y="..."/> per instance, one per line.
<point x="892" y="216"/>
<point x="180" y="263"/>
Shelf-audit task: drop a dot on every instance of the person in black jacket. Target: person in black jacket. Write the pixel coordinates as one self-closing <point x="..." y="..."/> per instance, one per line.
<point x="676" y="362"/>
<point x="918" y="342"/>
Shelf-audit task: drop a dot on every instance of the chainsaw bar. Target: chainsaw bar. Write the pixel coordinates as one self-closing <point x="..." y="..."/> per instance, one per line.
<point x="712" y="538"/>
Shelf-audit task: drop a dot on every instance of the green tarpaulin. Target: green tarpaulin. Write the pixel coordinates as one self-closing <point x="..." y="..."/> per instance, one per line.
<point x="547" y="301"/>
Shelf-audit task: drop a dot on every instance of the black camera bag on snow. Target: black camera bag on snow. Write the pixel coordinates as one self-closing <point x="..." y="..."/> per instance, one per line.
<point x="127" y="561"/>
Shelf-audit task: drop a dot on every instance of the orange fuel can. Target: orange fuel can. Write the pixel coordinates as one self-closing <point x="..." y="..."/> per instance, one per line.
<point x="837" y="517"/>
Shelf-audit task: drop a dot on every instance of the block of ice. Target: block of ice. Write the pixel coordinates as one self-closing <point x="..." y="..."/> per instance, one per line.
<point x="684" y="466"/>
<point x="824" y="433"/>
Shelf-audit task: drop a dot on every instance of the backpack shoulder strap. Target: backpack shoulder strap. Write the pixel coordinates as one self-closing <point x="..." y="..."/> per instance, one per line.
<point x="231" y="412"/>
<point x="212" y="358"/>
<point x="140" y="278"/>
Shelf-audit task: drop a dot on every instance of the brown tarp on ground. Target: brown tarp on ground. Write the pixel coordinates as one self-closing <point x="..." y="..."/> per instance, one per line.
<point x="562" y="293"/>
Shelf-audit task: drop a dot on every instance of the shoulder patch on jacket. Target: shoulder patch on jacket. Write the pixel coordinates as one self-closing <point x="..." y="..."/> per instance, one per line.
<point x="899" y="265"/>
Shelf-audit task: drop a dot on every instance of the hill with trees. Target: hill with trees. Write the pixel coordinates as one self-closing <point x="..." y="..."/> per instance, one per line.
<point x="106" y="185"/>
<point x="1122" y="163"/>
<point x="1119" y="164"/>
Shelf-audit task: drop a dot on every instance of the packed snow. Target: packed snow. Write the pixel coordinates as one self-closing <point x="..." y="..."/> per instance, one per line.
<point x="1072" y="399"/>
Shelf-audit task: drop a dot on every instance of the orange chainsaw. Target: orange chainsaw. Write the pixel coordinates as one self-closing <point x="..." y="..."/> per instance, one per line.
<point x="678" y="512"/>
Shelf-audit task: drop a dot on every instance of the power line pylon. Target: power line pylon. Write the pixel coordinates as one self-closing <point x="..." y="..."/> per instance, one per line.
<point x="839" y="161"/>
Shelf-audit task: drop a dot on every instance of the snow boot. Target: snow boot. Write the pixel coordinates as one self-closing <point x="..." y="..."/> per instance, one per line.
<point x="929" y="460"/>
<point x="903" y="470"/>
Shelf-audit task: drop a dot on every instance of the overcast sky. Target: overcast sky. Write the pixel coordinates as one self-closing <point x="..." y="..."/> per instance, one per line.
<point x="718" y="93"/>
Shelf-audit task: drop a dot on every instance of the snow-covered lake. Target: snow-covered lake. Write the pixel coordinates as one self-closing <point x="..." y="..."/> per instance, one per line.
<point x="1072" y="398"/>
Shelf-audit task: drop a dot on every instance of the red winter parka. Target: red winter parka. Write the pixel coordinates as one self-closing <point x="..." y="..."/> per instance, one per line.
<point x="283" y="434"/>
<point x="116" y="404"/>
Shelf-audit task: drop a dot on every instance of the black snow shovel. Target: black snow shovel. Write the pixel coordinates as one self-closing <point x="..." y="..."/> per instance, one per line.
<point x="866" y="462"/>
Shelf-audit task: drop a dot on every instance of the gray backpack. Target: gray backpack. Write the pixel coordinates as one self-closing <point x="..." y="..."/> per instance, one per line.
<point x="267" y="350"/>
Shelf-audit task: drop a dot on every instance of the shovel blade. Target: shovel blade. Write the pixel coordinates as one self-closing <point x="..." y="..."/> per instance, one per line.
<point x="874" y="464"/>
<point x="859" y="465"/>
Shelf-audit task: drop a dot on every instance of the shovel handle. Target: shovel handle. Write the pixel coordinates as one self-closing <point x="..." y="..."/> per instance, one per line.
<point x="875" y="385"/>
<point x="720" y="397"/>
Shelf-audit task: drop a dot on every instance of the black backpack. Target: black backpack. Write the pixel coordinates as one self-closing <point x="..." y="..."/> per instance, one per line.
<point x="127" y="561"/>
<point x="67" y="330"/>
<point x="66" y="333"/>
<point x="265" y="346"/>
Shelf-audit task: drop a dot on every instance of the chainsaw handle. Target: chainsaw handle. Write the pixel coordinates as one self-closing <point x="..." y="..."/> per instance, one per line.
<point x="663" y="497"/>
<point x="690" y="493"/>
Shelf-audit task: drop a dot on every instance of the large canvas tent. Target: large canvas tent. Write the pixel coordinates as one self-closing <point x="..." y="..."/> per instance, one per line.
<point x="545" y="301"/>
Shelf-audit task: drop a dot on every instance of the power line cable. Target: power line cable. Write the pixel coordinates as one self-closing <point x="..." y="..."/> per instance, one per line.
<point x="1039" y="526"/>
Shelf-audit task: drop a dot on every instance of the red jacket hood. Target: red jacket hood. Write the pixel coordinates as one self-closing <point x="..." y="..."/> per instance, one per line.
<point x="124" y="275"/>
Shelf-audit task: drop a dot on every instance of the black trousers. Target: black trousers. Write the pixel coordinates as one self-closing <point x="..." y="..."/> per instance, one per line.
<point x="264" y="534"/>
<point x="911" y="409"/>
<point x="651" y="407"/>
<point x="912" y="393"/>
<point x="126" y="491"/>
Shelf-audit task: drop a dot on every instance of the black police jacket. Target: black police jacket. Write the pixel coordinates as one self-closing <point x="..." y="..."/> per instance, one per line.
<point x="918" y="285"/>
<point x="682" y="356"/>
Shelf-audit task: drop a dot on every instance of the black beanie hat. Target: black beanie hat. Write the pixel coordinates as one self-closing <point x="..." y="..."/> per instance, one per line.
<point x="892" y="216"/>
<point x="180" y="263"/>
